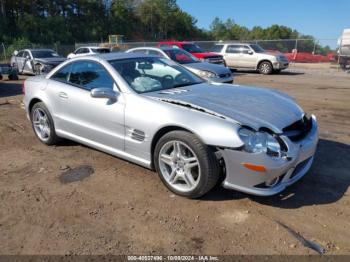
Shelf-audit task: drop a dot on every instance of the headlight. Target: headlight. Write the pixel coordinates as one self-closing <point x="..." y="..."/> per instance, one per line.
<point x="204" y="60"/>
<point x="207" y="74"/>
<point x="281" y="58"/>
<point x="256" y="142"/>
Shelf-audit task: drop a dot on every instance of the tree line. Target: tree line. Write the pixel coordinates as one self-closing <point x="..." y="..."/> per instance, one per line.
<point x="70" y="21"/>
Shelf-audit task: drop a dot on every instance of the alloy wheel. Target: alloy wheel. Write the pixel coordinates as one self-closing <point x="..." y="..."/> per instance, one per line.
<point x="179" y="166"/>
<point x="265" y="68"/>
<point x="41" y="124"/>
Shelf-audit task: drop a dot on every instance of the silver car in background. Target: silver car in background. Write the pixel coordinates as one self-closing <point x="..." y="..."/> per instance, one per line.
<point x="35" y="61"/>
<point x="251" y="56"/>
<point x="211" y="72"/>
<point x="154" y="112"/>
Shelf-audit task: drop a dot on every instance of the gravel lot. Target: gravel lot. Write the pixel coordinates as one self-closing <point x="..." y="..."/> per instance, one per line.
<point x="122" y="208"/>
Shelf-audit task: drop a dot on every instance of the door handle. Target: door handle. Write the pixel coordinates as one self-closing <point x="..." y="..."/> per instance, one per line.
<point x="63" y="95"/>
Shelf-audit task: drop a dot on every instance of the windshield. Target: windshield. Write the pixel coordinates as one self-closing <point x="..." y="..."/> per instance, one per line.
<point x="100" y="50"/>
<point x="181" y="56"/>
<point x="44" y="54"/>
<point x="150" y="74"/>
<point x="257" y="48"/>
<point x="216" y="48"/>
<point x="192" y="48"/>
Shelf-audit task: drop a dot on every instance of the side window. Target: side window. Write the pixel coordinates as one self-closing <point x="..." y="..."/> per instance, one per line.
<point x="62" y="75"/>
<point x="82" y="50"/>
<point x="26" y="54"/>
<point x="245" y="49"/>
<point x="139" y="51"/>
<point x="89" y="75"/>
<point x="153" y="52"/>
<point x="233" y="49"/>
<point x="20" y="54"/>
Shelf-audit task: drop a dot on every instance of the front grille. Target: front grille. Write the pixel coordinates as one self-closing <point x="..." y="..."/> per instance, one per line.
<point x="299" y="129"/>
<point x="216" y="60"/>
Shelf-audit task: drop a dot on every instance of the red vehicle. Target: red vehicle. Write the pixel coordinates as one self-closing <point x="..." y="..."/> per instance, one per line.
<point x="195" y="50"/>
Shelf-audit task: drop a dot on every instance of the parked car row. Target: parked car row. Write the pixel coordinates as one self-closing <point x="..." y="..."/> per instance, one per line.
<point x="213" y="66"/>
<point x="155" y="112"/>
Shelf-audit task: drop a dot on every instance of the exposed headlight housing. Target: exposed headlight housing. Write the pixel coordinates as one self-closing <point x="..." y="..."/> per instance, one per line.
<point x="207" y="74"/>
<point x="256" y="142"/>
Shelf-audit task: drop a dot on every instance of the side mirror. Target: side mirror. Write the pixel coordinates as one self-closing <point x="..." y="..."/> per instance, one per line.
<point x="250" y="52"/>
<point x="15" y="52"/>
<point x="104" y="93"/>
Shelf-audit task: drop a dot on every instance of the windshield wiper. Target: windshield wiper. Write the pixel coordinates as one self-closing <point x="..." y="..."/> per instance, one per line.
<point x="187" y="84"/>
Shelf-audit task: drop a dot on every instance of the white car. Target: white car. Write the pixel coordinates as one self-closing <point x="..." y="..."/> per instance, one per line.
<point x="251" y="56"/>
<point x="88" y="50"/>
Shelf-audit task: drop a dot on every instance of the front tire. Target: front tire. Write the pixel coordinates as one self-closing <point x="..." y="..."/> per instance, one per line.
<point x="43" y="125"/>
<point x="185" y="165"/>
<point x="265" y="68"/>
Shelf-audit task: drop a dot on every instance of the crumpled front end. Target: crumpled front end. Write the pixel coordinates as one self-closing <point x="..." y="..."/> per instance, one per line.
<point x="274" y="173"/>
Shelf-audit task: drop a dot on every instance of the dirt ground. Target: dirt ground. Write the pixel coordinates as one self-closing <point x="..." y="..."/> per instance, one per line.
<point x="123" y="208"/>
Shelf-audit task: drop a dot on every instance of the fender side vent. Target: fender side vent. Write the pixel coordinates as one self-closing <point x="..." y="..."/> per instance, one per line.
<point x="138" y="135"/>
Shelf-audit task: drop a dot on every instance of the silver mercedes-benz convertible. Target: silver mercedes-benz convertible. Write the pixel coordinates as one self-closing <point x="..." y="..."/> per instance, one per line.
<point x="154" y="112"/>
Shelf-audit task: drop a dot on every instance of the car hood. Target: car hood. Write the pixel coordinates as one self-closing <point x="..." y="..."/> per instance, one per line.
<point x="218" y="69"/>
<point x="205" y="55"/>
<point x="251" y="106"/>
<point x="51" y="60"/>
<point x="275" y="54"/>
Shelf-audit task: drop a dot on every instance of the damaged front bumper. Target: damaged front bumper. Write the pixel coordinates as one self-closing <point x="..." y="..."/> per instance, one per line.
<point x="282" y="171"/>
<point x="280" y="65"/>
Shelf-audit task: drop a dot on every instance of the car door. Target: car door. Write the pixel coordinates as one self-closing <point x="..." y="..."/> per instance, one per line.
<point x="19" y="60"/>
<point x="27" y="62"/>
<point x="98" y="121"/>
<point x="232" y="56"/>
<point x="248" y="58"/>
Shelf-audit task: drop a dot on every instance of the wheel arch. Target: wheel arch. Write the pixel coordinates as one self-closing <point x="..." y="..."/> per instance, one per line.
<point x="160" y="133"/>
<point x="262" y="61"/>
<point x="32" y="102"/>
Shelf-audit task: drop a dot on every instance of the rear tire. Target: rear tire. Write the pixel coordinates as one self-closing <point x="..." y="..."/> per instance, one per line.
<point x="43" y="124"/>
<point x="265" y="68"/>
<point x="185" y="165"/>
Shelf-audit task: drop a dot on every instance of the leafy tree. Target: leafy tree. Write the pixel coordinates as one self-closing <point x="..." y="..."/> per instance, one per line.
<point x="48" y="22"/>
